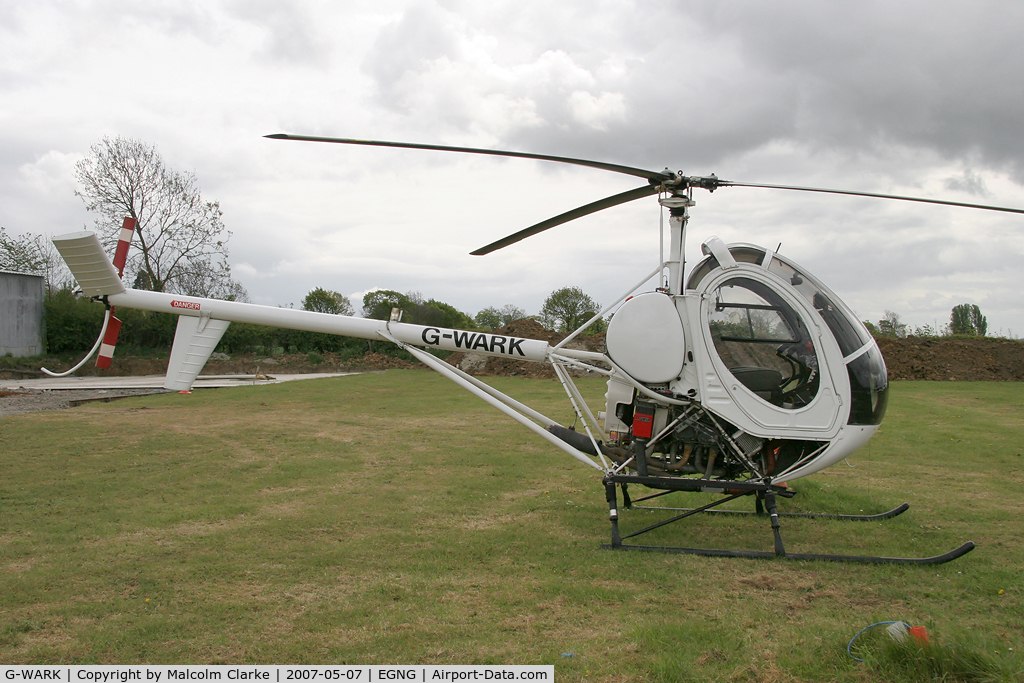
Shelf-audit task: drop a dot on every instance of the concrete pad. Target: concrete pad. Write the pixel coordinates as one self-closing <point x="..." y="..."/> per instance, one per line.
<point x="157" y="381"/>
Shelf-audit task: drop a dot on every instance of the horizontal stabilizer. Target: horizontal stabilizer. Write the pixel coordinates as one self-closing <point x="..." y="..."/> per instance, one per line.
<point x="89" y="264"/>
<point x="194" y="341"/>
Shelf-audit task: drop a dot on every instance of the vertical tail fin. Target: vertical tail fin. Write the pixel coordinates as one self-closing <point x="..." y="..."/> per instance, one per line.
<point x="194" y="341"/>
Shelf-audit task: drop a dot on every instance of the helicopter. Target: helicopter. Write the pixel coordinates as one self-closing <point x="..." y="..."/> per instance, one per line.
<point x="736" y="379"/>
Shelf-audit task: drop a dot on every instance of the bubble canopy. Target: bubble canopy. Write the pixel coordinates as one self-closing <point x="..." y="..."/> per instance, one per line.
<point x="869" y="384"/>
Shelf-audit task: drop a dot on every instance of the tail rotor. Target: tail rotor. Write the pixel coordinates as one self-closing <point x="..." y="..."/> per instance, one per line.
<point x="114" y="328"/>
<point x="107" y="340"/>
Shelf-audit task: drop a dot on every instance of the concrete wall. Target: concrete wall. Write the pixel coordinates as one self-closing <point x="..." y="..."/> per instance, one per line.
<point x="21" y="314"/>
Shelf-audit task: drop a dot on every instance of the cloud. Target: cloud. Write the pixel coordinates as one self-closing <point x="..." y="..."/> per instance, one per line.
<point x="52" y="173"/>
<point x="910" y="98"/>
<point x="875" y="73"/>
<point x="672" y="83"/>
<point x="289" y="31"/>
<point x="969" y="182"/>
<point x="599" y="111"/>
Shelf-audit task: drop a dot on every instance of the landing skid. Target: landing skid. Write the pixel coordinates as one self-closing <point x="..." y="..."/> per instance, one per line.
<point x="766" y="555"/>
<point x="896" y="511"/>
<point x="765" y="492"/>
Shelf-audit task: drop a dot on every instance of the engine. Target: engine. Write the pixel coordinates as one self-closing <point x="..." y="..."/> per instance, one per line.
<point x="689" y="440"/>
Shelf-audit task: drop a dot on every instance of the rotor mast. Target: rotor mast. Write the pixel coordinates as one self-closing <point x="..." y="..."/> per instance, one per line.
<point x="679" y="215"/>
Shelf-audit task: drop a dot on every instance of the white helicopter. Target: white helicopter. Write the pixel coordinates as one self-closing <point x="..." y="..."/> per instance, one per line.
<point x="748" y="374"/>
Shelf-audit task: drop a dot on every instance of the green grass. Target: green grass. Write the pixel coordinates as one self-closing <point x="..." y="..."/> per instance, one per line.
<point x="392" y="518"/>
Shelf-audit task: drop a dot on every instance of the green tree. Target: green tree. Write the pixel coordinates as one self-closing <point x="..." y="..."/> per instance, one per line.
<point x="568" y="308"/>
<point x="449" y="316"/>
<point x="491" y="317"/>
<point x="967" y="319"/>
<point x="180" y="241"/>
<point x="71" y="323"/>
<point x="415" y="310"/>
<point x="378" y="303"/>
<point x="892" y="326"/>
<point x="488" y="318"/>
<point x="322" y="300"/>
<point x="979" y="321"/>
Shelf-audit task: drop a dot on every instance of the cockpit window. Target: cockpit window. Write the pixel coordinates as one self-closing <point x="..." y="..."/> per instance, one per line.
<point x="869" y="388"/>
<point x="850" y="334"/>
<point x="763" y="342"/>
<point x="740" y="315"/>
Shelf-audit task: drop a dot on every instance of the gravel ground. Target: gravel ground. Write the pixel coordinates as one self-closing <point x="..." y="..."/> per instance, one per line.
<point x="18" y="401"/>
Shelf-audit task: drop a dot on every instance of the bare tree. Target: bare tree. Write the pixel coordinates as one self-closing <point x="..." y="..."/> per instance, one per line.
<point x="892" y="326"/>
<point x="19" y="254"/>
<point x="492" y="317"/>
<point x="511" y="313"/>
<point x="202" y="278"/>
<point x="180" y="240"/>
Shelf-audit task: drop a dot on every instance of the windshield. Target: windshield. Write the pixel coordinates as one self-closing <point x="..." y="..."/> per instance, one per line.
<point x="869" y="387"/>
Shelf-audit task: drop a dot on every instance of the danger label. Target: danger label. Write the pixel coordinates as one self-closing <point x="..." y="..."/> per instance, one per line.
<point x="185" y="304"/>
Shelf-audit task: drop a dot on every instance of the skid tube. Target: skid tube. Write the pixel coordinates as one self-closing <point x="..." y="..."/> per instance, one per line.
<point x="888" y="514"/>
<point x="763" y="491"/>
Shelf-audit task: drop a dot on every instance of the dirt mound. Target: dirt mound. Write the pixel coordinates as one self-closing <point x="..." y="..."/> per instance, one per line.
<point x="974" y="360"/>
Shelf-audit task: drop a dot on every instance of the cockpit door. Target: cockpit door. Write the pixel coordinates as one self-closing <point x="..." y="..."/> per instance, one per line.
<point x="768" y="357"/>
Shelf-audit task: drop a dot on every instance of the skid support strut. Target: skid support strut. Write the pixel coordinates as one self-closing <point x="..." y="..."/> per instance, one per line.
<point x="613" y="513"/>
<point x="773" y="512"/>
<point x="765" y="496"/>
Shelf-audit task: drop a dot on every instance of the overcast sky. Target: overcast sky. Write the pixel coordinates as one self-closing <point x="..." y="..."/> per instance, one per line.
<point x="916" y="98"/>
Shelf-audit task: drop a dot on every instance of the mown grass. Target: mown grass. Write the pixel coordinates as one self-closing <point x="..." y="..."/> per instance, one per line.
<point x="391" y="518"/>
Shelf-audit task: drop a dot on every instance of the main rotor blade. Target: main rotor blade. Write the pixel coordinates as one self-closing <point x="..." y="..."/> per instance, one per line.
<point x="654" y="176"/>
<point x="729" y="183"/>
<point x="606" y="203"/>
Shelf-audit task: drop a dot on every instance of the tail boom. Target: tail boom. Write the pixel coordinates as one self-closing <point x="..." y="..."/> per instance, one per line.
<point x="202" y="322"/>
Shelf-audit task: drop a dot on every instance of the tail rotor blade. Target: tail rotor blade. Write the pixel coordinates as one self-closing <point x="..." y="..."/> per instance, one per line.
<point x="106" y="354"/>
<point x="123" y="244"/>
<point x="606" y="203"/>
<point x="109" y="342"/>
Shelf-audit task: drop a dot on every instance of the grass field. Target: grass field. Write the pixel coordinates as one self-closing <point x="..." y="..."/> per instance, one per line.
<point x="391" y="518"/>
